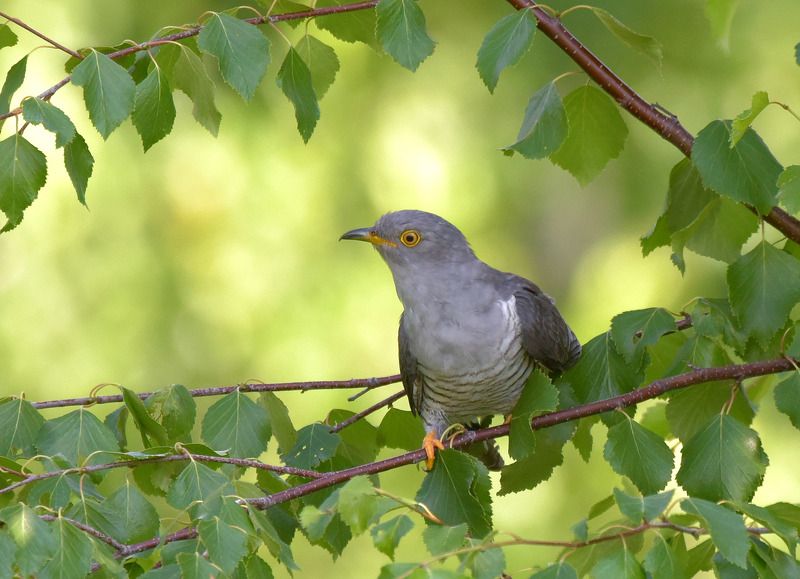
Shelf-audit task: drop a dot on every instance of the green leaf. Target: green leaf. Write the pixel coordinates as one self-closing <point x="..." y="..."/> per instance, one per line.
<point x="400" y="429"/>
<point x="504" y="45"/>
<point x="73" y="553"/>
<point x="744" y="119"/>
<point x="79" y="163"/>
<point x="135" y="516"/>
<point x="153" y="109"/>
<point x="108" y="91"/>
<point x="35" y="541"/>
<point x="746" y="172"/>
<point x="726" y="528"/>
<point x="386" y="536"/>
<point x="238" y="424"/>
<point x="19" y="425"/>
<point x="176" y="409"/>
<point x="226" y="544"/>
<point x="635" y="330"/>
<point x="354" y="26"/>
<point x="665" y="560"/>
<point x="787" y="399"/>
<point x="14" y="78"/>
<point x="544" y="126"/>
<point x="527" y="473"/>
<point x="7" y="36"/>
<point x="797" y="53"/>
<point x="358" y="441"/>
<point x="768" y="561"/>
<point x="720" y="16"/>
<point x="689" y="411"/>
<point x="559" y="570"/>
<point x="401" y="31"/>
<point x="764" y="286"/>
<point x="294" y="79"/>
<point x="488" y="563"/>
<point x="786" y="512"/>
<point x="789" y="188"/>
<point x="8" y="552"/>
<point x="240" y="48"/>
<point x="457" y="491"/>
<point x="639" y="509"/>
<point x="145" y="423"/>
<point x="315" y="443"/>
<point x="23" y="171"/>
<point x="195" y="566"/>
<point x="357" y="504"/>
<point x="441" y="539"/>
<point x="639" y="454"/>
<point x="282" y="427"/>
<point x="596" y="133"/>
<point x="196" y="483"/>
<point x="786" y="531"/>
<point x="647" y="45"/>
<point x="272" y="539"/>
<point x="619" y="564"/>
<point x="75" y="436"/>
<point x="321" y="61"/>
<point x="724" y="461"/>
<point x="538" y="396"/>
<point x="190" y="76"/>
<point x="52" y="118"/>
<point x="254" y="567"/>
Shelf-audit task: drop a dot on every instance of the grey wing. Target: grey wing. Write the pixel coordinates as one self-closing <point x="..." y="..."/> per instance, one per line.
<point x="409" y="371"/>
<point x="545" y="335"/>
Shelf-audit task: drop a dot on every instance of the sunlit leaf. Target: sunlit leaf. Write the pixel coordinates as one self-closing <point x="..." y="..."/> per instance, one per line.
<point x="226" y="544"/>
<point x="75" y="436"/>
<point x="7" y="36"/>
<point x="744" y="119"/>
<point x="52" y="118"/>
<point x="639" y="454"/>
<point x="23" y="171"/>
<point x="322" y="63"/>
<point x="401" y="31"/>
<point x="787" y="398"/>
<point x="238" y="424"/>
<point x="35" y="539"/>
<point x="314" y="444"/>
<point x="504" y="45"/>
<point x="19" y="425"/>
<point x="14" y="78"/>
<point x="153" y="109"/>
<point x="789" y="188"/>
<point x="544" y="126"/>
<point x="108" y="91"/>
<point x="294" y="79"/>
<point x="357" y="503"/>
<point x="647" y="45"/>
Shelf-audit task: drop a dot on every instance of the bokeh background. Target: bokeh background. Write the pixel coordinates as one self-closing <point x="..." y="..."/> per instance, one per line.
<point x="210" y="261"/>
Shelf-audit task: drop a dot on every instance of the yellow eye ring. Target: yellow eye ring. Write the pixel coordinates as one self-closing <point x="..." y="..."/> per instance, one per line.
<point x="410" y="237"/>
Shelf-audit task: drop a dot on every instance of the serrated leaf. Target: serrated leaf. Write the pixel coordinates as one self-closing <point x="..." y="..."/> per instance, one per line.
<point x="764" y="286"/>
<point x="639" y="509"/>
<point x="400" y="429"/>
<point x="559" y="570"/>
<point x="744" y="119"/>
<point x="153" y="109"/>
<point x="720" y="16"/>
<point x="108" y="91"/>
<point x="746" y="172"/>
<point x="784" y="530"/>
<point x="527" y="473"/>
<point x="196" y="483"/>
<point x="240" y="48"/>
<point x="195" y="566"/>
<point x="443" y="539"/>
<point x="23" y="171"/>
<point x="14" y="78"/>
<point x="596" y="133"/>
<point x="639" y="454"/>
<point x="357" y="503"/>
<point x="190" y="76"/>
<point x="665" y="560"/>
<point x="176" y="409"/>
<point x="619" y="564"/>
<point x="7" y="36"/>
<point x="647" y="45"/>
<point x="789" y="188"/>
<point x="635" y="330"/>
<point x="73" y="553"/>
<point x="79" y="163"/>
<point x="355" y="26"/>
<point x="282" y="427"/>
<point x="294" y="79"/>
<point x="457" y="491"/>
<point x="34" y="538"/>
<point x="724" y="461"/>
<point x="19" y="425"/>
<point x="538" y="395"/>
<point x="386" y="536"/>
<point x="544" y="126"/>
<point x="272" y="538"/>
<point x="136" y="517"/>
<point x="772" y="563"/>
<point x="8" y="552"/>
<point x="226" y="544"/>
<point x="507" y="41"/>
<point x="145" y="423"/>
<point x="315" y="443"/>
<point x="75" y="436"/>
<point x="52" y="118"/>
<point x="237" y="423"/>
<point x="322" y="63"/>
<point x="401" y="31"/>
<point x="254" y="567"/>
<point x="726" y="528"/>
<point x="597" y="509"/>
<point x="787" y="399"/>
<point x="488" y="563"/>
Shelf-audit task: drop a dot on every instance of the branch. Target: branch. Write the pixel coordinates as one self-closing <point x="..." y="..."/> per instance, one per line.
<point x="368" y="383"/>
<point x="32" y="30"/>
<point x="88" y="530"/>
<point x="667" y="126"/>
<point x="367" y="411"/>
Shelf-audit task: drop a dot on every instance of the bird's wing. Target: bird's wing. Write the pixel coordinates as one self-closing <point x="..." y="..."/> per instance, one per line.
<point x="409" y="371"/>
<point x="545" y="335"/>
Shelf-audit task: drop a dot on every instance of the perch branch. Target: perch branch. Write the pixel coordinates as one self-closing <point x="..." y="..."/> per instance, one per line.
<point x="35" y="32"/>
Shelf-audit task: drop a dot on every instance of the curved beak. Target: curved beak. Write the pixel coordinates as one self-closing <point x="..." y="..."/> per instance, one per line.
<point x="367" y="234"/>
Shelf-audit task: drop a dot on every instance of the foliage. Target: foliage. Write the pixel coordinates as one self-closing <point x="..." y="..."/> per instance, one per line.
<point x="80" y="494"/>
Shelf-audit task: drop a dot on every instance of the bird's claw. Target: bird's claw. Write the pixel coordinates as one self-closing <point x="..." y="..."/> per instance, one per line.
<point x="430" y="443"/>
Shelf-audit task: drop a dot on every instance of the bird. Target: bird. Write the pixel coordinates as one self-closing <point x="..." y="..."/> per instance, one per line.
<point x="470" y="335"/>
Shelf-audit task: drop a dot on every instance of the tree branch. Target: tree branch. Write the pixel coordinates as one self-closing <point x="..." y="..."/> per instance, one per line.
<point x="368" y="383"/>
<point x="47" y="39"/>
<point x="88" y="530"/>
<point x="367" y="411"/>
<point x="667" y="126"/>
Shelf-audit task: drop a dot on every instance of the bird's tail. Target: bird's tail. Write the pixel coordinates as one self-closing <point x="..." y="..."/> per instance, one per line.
<point x="486" y="451"/>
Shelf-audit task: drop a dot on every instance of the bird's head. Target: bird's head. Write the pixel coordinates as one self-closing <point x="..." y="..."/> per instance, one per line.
<point x="412" y="240"/>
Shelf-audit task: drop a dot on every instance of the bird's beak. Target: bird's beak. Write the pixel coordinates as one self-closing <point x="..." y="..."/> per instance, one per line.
<point x="367" y="234"/>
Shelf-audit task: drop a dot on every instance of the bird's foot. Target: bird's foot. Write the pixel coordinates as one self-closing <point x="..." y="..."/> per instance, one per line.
<point x="507" y="419"/>
<point x="430" y="443"/>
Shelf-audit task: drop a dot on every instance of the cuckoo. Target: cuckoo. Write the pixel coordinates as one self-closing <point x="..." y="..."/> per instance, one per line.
<point x="470" y="335"/>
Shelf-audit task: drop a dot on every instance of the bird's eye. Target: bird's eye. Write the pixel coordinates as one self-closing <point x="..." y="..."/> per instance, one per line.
<point x="410" y="237"/>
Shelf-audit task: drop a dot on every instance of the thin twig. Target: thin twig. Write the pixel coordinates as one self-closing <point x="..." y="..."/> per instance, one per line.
<point x="47" y="39"/>
<point x="88" y="530"/>
<point x="367" y="411"/>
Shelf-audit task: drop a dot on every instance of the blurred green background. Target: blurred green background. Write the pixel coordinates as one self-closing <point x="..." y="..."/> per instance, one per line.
<point x="212" y="261"/>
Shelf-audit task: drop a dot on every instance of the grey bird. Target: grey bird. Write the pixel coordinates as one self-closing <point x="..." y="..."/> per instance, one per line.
<point x="470" y="335"/>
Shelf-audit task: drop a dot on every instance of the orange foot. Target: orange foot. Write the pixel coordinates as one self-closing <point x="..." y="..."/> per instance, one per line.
<point x="507" y="418"/>
<point x="430" y="443"/>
